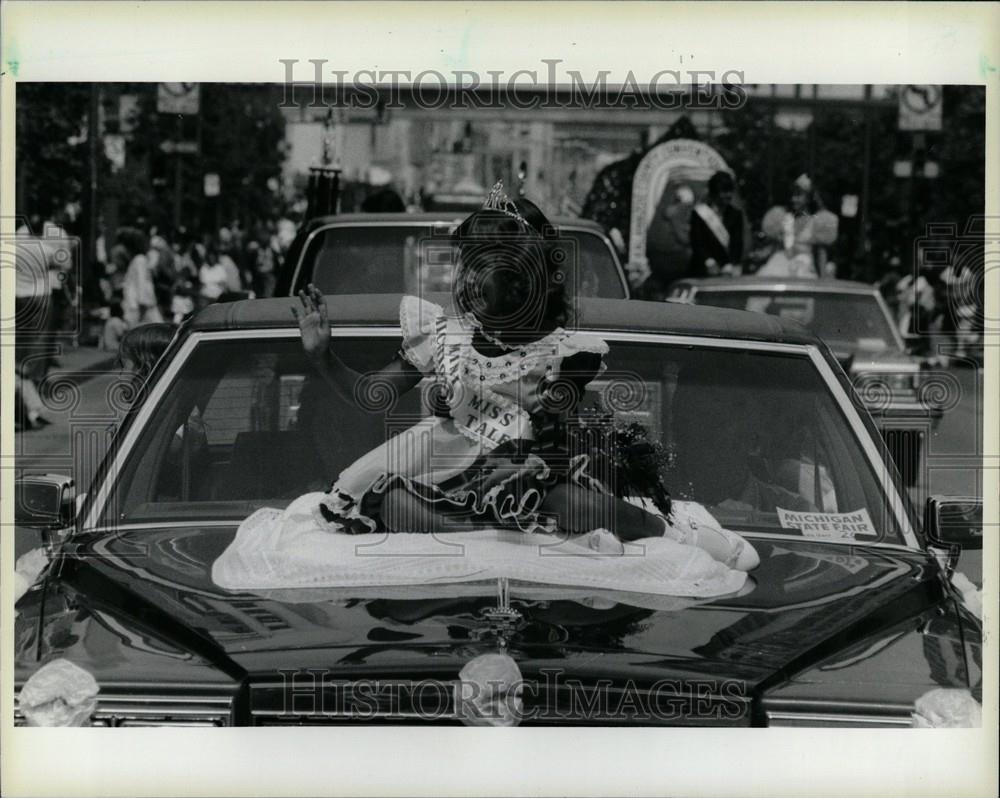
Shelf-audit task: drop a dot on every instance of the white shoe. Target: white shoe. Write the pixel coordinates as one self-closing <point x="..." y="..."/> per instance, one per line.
<point x="725" y="546"/>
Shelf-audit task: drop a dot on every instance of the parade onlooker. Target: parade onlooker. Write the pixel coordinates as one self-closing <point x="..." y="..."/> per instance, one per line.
<point x="182" y="305"/>
<point x="163" y="270"/>
<point x="668" y="242"/>
<point x="138" y="291"/>
<point x="213" y="277"/>
<point x="385" y="200"/>
<point x="718" y="243"/>
<point x="142" y="346"/>
<point x="33" y="317"/>
<point x="114" y="329"/>
<point x="962" y="305"/>
<point x="60" y="251"/>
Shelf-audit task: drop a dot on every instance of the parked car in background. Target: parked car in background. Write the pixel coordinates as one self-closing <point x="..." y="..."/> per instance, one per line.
<point x="411" y="253"/>
<point x="849" y="620"/>
<point x="898" y="387"/>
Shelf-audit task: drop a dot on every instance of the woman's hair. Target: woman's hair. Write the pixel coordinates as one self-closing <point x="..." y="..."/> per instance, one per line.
<point x="142" y="346"/>
<point x="719" y="182"/>
<point x="523" y="250"/>
<point x="813" y="200"/>
<point x="134" y="240"/>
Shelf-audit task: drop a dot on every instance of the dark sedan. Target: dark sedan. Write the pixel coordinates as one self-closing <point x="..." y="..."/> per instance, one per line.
<point x="850" y="619"/>
<point x="356" y="253"/>
<point x="899" y="388"/>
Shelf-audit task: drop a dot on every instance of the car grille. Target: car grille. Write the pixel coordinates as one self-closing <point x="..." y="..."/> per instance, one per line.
<point x="133" y="711"/>
<point x="433" y="702"/>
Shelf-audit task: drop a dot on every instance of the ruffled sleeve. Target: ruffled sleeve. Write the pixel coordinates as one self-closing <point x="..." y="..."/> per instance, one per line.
<point x="417" y="322"/>
<point x="582" y="342"/>
<point x="581" y="350"/>
<point x="773" y="223"/>
<point x="824" y="227"/>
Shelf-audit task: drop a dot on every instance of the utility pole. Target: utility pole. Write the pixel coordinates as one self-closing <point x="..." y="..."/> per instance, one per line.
<point x="178" y="175"/>
<point x="862" y="247"/>
<point x="93" y="145"/>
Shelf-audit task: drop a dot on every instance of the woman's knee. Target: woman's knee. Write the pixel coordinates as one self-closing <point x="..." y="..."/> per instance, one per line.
<point x="577" y="509"/>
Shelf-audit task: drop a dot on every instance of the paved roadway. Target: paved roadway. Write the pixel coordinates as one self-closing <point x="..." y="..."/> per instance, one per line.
<point x="76" y="441"/>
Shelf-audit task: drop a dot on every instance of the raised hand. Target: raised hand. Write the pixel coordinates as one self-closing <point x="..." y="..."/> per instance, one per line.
<point x="314" y="323"/>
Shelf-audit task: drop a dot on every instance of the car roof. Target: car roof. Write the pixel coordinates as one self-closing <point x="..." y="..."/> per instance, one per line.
<point x="425" y="217"/>
<point x="788" y="283"/>
<point x="599" y="315"/>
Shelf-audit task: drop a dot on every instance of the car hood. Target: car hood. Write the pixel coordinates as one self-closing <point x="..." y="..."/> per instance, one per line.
<point x="805" y="600"/>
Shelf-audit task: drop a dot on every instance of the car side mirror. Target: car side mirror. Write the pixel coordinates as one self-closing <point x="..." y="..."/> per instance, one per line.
<point x="44" y="501"/>
<point x="954" y="521"/>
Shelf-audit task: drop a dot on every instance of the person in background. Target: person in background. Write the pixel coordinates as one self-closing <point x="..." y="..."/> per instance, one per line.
<point x="33" y="319"/>
<point x="961" y="306"/>
<point x="801" y="233"/>
<point x="114" y="329"/>
<point x="117" y="266"/>
<point x="61" y="251"/>
<point x="234" y="279"/>
<point x="213" y="277"/>
<point x="182" y="304"/>
<point x="163" y="270"/>
<point x="138" y="290"/>
<point x="141" y="347"/>
<point x="264" y="273"/>
<point x="718" y="243"/>
<point x="385" y="200"/>
<point x="668" y="242"/>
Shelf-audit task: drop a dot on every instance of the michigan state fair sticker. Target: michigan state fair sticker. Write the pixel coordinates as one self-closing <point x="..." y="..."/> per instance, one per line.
<point x="828" y="526"/>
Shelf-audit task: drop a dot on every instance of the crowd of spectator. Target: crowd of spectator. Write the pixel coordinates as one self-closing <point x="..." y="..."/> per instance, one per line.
<point x="152" y="276"/>
<point x="140" y="276"/>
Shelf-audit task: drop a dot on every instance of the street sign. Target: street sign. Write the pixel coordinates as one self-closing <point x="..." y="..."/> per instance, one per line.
<point x="179" y="147"/>
<point x="920" y="107"/>
<point x="213" y="185"/>
<point x="178" y="98"/>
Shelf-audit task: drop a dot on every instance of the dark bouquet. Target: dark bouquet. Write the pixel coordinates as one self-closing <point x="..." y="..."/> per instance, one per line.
<point x="623" y="455"/>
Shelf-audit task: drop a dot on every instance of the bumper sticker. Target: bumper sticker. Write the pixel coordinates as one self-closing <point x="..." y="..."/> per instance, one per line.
<point x="829" y="526"/>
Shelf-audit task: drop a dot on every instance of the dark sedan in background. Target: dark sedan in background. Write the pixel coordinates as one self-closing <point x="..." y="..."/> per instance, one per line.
<point x="387" y="253"/>
<point x="899" y="388"/>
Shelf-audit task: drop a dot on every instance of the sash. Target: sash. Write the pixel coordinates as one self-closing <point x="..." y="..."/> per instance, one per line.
<point x="714" y="223"/>
<point x="479" y="413"/>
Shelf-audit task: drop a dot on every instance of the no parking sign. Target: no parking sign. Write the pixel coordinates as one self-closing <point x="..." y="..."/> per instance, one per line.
<point x="920" y="107"/>
<point x="177" y="98"/>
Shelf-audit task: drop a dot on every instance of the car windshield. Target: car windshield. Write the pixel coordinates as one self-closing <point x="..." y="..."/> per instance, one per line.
<point x="846" y="321"/>
<point x="756" y="437"/>
<point x="416" y="259"/>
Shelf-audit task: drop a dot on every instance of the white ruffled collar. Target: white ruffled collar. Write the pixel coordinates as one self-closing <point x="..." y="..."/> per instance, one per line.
<point x="506" y="366"/>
